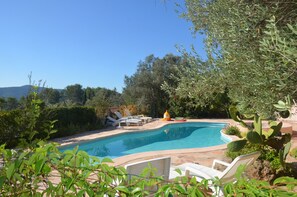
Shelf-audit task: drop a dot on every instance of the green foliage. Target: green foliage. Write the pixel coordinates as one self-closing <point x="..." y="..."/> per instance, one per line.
<point x="25" y="127"/>
<point x="254" y="137"/>
<point x="74" y="94"/>
<point x="293" y="152"/>
<point x="143" y="88"/>
<point x="9" y="103"/>
<point x="236" y="145"/>
<point x="102" y="99"/>
<point x="50" y="96"/>
<point x="30" y="173"/>
<point x="233" y="130"/>
<point x="244" y="187"/>
<point x="278" y="142"/>
<point x="72" y="120"/>
<point x="273" y="157"/>
<point x="184" y="100"/>
<point x="32" y="113"/>
<point x="284" y="107"/>
<point x="10" y="127"/>
<point x="248" y="148"/>
<point x="233" y="111"/>
<point x="267" y="154"/>
<point x="251" y="52"/>
<point x="45" y="171"/>
<point x="153" y="89"/>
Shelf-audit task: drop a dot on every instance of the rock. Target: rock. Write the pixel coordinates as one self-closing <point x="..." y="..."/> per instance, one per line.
<point x="261" y="170"/>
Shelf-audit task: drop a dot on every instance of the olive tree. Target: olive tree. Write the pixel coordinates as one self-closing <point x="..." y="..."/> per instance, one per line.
<point x="251" y="49"/>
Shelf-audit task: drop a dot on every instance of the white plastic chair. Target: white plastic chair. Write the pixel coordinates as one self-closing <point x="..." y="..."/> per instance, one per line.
<point x="162" y="165"/>
<point x="225" y="176"/>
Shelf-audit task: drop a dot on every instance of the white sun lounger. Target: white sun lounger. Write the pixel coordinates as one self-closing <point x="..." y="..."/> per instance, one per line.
<point x="144" y="119"/>
<point x="126" y="121"/>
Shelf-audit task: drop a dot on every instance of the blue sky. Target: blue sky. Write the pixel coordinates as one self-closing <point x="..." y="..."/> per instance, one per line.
<point x="94" y="43"/>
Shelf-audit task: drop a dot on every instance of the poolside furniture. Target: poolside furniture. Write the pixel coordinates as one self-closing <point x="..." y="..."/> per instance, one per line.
<point x="119" y="115"/>
<point x="145" y="119"/>
<point x="225" y="176"/>
<point x="126" y="121"/>
<point x="180" y="119"/>
<point x="161" y="164"/>
<point x="191" y="169"/>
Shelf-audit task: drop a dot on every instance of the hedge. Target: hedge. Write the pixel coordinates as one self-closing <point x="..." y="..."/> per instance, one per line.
<point x="69" y="121"/>
<point x="10" y="127"/>
<point x="73" y="120"/>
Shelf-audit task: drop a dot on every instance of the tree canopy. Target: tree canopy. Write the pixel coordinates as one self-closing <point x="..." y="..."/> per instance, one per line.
<point x="50" y="95"/>
<point x="144" y="87"/>
<point x="152" y="88"/>
<point x="252" y="52"/>
<point x="102" y="99"/>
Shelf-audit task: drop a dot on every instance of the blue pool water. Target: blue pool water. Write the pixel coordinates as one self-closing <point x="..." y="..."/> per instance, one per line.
<point x="172" y="136"/>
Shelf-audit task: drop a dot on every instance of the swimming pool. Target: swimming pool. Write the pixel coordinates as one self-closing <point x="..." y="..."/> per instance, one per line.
<point x="168" y="137"/>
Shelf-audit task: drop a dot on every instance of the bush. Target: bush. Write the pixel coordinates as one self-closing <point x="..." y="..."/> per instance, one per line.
<point x="14" y="125"/>
<point x="73" y="120"/>
<point x="246" y="150"/>
<point x="17" y="129"/>
<point x="30" y="173"/>
<point x="233" y="130"/>
<point x="267" y="154"/>
<point x="10" y="127"/>
<point x="79" y="174"/>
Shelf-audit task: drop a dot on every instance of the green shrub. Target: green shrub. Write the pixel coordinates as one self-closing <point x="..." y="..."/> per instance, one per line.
<point x="233" y="130"/>
<point x="293" y="152"/>
<point x="249" y="148"/>
<point x="81" y="175"/>
<point x="10" y="127"/>
<point x="26" y="126"/>
<point x="15" y="127"/>
<point x="273" y="157"/>
<point x="275" y="141"/>
<point x="30" y="173"/>
<point x="267" y="154"/>
<point x="73" y="120"/>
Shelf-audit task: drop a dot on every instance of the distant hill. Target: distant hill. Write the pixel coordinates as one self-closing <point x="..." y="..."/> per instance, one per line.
<point x="16" y="92"/>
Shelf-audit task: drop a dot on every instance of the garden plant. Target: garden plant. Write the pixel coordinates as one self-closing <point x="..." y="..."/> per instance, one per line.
<point x="40" y="169"/>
